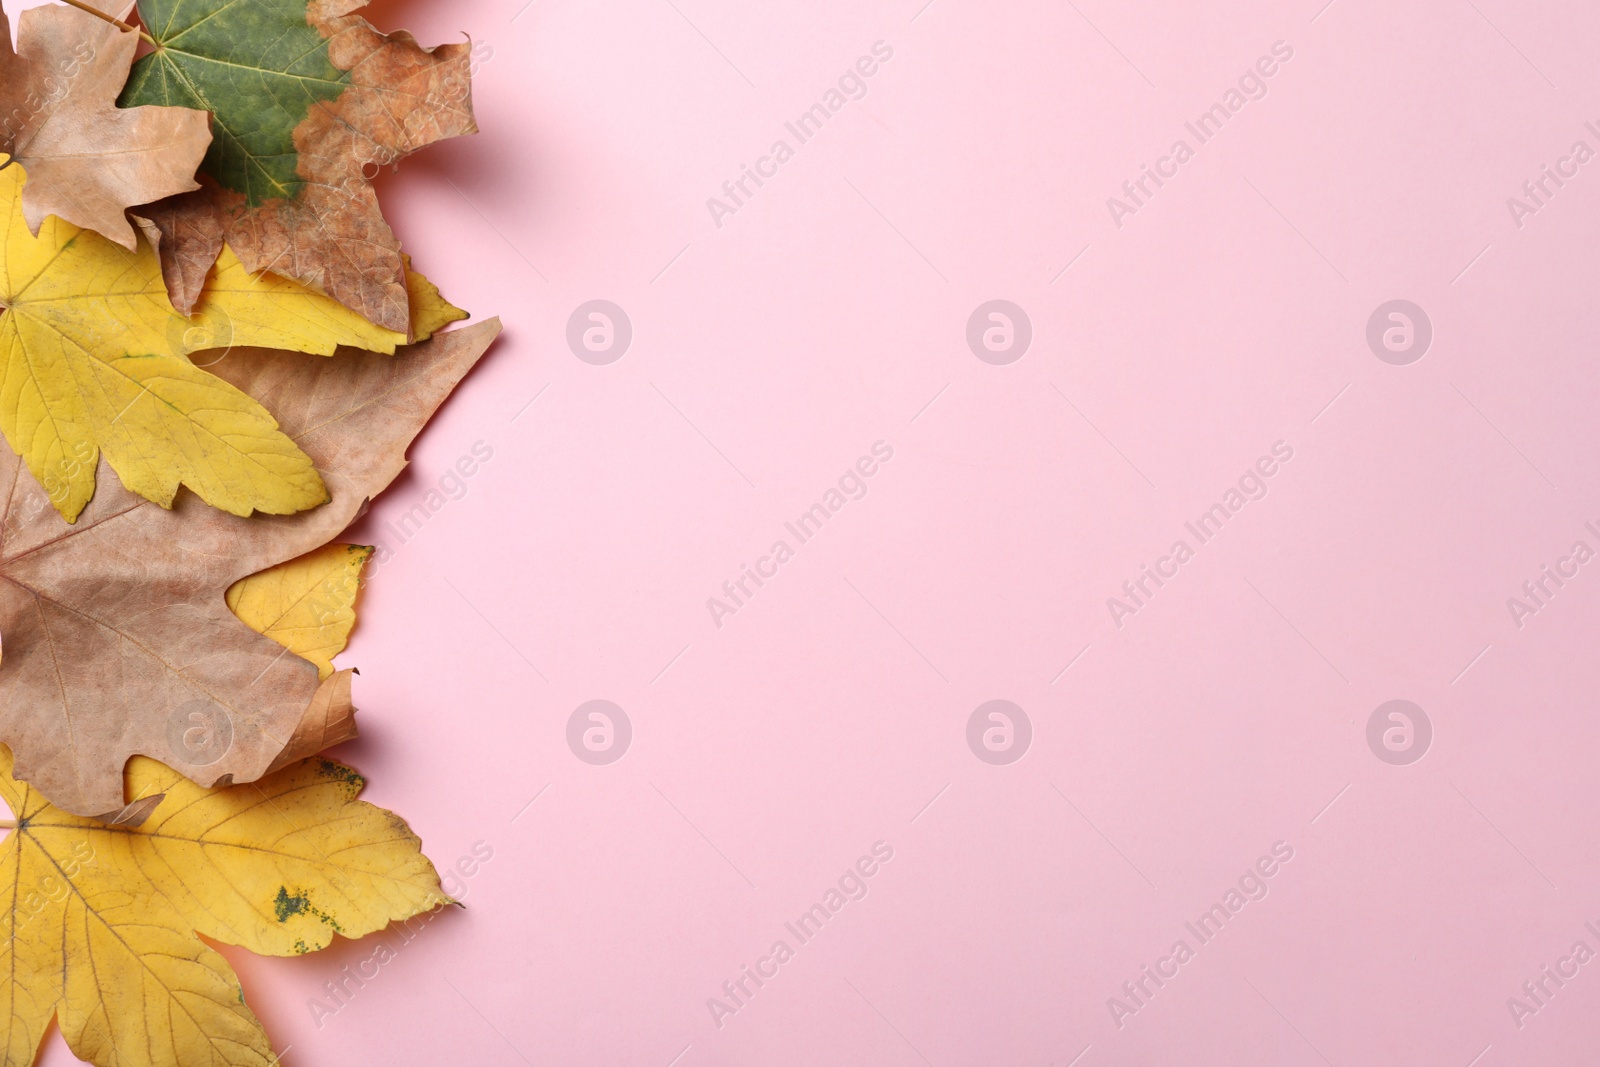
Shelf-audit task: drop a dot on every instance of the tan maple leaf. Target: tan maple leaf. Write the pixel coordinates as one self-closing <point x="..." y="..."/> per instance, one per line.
<point x="309" y="101"/>
<point x="88" y="160"/>
<point x="186" y="233"/>
<point x="117" y="640"/>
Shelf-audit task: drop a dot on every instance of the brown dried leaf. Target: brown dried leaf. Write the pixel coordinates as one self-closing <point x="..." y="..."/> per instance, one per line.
<point x="187" y="234"/>
<point x="117" y="637"/>
<point x="330" y="719"/>
<point x="88" y="161"/>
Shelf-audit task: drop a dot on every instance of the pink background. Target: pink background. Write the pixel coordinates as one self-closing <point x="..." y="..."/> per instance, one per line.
<point x="829" y="713"/>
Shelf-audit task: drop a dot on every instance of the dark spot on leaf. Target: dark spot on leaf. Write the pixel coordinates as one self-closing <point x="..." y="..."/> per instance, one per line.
<point x="286" y="905"/>
<point x="340" y="773"/>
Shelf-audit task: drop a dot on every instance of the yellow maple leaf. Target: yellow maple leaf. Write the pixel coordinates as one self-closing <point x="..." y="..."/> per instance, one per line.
<point x="99" y="923"/>
<point x="305" y="604"/>
<point x="94" y="358"/>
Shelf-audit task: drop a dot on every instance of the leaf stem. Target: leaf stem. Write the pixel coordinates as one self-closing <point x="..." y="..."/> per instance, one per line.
<point x="118" y="23"/>
<point x="8" y="824"/>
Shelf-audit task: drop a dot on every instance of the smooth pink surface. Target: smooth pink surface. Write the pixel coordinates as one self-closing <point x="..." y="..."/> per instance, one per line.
<point x="829" y="712"/>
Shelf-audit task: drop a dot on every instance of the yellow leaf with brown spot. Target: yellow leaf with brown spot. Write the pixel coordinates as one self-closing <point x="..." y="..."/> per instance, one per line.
<point x="101" y="925"/>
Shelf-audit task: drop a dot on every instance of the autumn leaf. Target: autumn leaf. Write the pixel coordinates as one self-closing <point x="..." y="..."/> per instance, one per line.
<point x="307" y="605"/>
<point x="116" y="632"/>
<point x="189" y="243"/>
<point x="102" y="924"/>
<point x="430" y="311"/>
<point x="92" y="912"/>
<point x="93" y="358"/>
<point x="186" y="241"/>
<point x="308" y="100"/>
<point x="88" y="159"/>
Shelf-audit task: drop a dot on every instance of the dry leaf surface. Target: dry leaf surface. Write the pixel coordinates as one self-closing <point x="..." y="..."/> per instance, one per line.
<point x="94" y="359"/>
<point x="89" y="160"/>
<point x="308" y="101"/>
<point x="117" y="640"/>
<point x="101" y="921"/>
<point x="306" y="604"/>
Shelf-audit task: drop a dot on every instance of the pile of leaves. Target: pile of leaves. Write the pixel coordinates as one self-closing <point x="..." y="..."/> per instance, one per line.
<point x="213" y="354"/>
